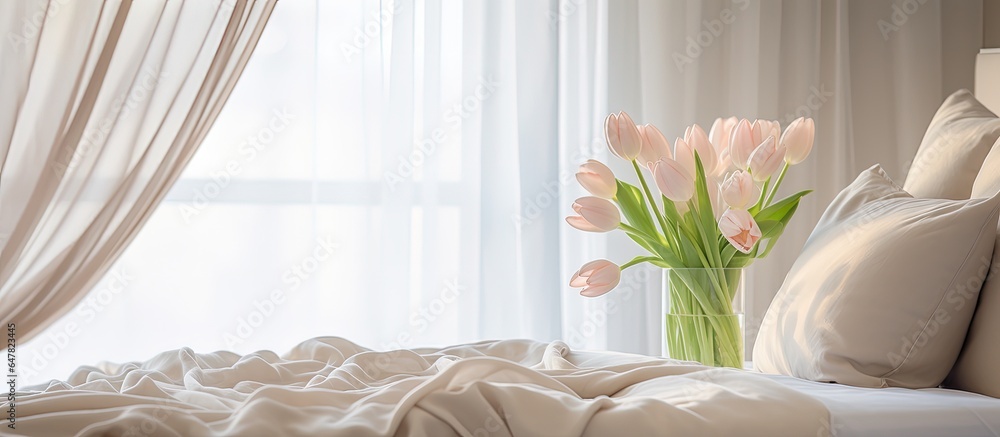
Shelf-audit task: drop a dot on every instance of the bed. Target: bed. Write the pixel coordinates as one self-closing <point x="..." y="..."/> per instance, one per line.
<point x="900" y="411"/>
<point x="330" y="386"/>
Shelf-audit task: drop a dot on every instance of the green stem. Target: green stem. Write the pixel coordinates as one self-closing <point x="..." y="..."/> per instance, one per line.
<point x="698" y="250"/>
<point x="638" y="260"/>
<point x="626" y="227"/>
<point x="777" y="183"/>
<point x="699" y="328"/>
<point x="672" y="235"/>
<point x="649" y="196"/>
<point x="763" y="195"/>
<point x="710" y="251"/>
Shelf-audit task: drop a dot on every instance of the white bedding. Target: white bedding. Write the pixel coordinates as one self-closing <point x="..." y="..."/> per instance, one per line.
<point x="902" y="412"/>
<point x="329" y="386"/>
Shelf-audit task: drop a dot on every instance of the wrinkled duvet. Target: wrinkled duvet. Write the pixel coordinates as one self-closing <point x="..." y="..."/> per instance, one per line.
<point x="330" y="386"/>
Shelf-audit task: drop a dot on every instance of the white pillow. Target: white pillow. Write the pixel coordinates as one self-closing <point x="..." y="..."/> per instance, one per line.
<point x="976" y="368"/>
<point x="953" y="149"/>
<point x="877" y="297"/>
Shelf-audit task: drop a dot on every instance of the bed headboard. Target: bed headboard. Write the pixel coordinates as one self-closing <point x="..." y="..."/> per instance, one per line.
<point x="988" y="78"/>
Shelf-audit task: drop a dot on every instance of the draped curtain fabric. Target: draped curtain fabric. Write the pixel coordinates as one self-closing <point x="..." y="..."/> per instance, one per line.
<point x="462" y="124"/>
<point x="488" y="84"/>
<point x="404" y="193"/>
<point x="103" y="105"/>
<point x="871" y="73"/>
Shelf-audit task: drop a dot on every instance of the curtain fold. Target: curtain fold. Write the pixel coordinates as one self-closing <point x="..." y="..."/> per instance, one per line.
<point x="461" y="126"/>
<point x="112" y="100"/>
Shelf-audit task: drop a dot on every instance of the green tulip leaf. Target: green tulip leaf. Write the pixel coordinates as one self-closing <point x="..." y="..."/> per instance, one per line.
<point x="704" y="202"/>
<point x="655" y="247"/>
<point x="781" y="208"/>
<point x="634" y="207"/>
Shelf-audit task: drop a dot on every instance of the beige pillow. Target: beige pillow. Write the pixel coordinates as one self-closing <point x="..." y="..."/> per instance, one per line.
<point x="877" y="298"/>
<point x="952" y="151"/>
<point x="978" y="364"/>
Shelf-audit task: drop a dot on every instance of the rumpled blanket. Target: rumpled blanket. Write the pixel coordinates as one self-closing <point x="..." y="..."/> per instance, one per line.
<point x="330" y="386"/>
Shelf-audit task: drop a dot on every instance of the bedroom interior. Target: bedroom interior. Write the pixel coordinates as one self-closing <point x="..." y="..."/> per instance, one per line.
<point x="480" y="217"/>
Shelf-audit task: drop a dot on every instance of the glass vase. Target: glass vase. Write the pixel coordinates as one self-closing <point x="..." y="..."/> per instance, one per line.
<point x="703" y="315"/>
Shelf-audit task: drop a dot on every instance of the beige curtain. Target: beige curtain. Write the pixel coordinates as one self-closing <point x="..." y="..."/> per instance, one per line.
<point x="103" y="104"/>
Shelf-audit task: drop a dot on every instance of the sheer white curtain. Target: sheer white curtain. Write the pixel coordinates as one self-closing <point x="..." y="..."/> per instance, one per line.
<point x="397" y="172"/>
<point x="385" y="171"/>
<point x="104" y="103"/>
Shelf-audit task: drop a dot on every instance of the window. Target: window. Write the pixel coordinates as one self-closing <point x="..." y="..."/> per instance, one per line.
<point x="332" y="197"/>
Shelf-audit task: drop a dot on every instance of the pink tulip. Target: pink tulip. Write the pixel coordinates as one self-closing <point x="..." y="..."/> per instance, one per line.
<point x="741" y="144"/>
<point x="725" y="163"/>
<point x="673" y="180"/>
<point x="775" y="130"/>
<point x="684" y="155"/>
<point x="598" y="179"/>
<point x="757" y="131"/>
<point x="696" y="138"/>
<point x="739" y="190"/>
<point x="739" y="227"/>
<point x="623" y="136"/>
<point x="798" y="140"/>
<point x="597" y="277"/>
<point x="761" y="129"/>
<point x="595" y="215"/>
<point x="719" y="137"/>
<point x="654" y="145"/>
<point x="717" y="204"/>
<point x="766" y="159"/>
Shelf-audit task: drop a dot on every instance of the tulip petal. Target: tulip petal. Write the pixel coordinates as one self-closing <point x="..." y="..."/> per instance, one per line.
<point x="741" y="144"/>
<point x="601" y="213"/>
<point x="740" y="229"/>
<point x="798" y="140"/>
<point x="597" y="179"/>
<point x="582" y="224"/>
<point x="684" y="154"/>
<point x="766" y="159"/>
<point x="631" y="143"/>
<point x="696" y="138"/>
<point x="718" y="135"/>
<point x="602" y="276"/>
<point x="725" y="163"/>
<point x="673" y="180"/>
<point x="597" y="277"/>
<point x="739" y="190"/>
<point x="654" y="145"/>
<point x="611" y="133"/>
<point x="595" y="291"/>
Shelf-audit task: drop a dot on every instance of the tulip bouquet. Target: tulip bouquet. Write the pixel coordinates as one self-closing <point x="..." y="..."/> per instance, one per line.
<point x="714" y="212"/>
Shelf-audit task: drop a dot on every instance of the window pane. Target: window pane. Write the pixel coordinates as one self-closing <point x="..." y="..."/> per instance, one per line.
<point x="266" y="128"/>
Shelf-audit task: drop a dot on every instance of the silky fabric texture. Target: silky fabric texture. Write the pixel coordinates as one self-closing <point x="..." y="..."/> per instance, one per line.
<point x="880" y="294"/>
<point x="103" y="107"/>
<point x="976" y="367"/>
<point x="330" y="386"/>
<point x="953" y="149"/>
